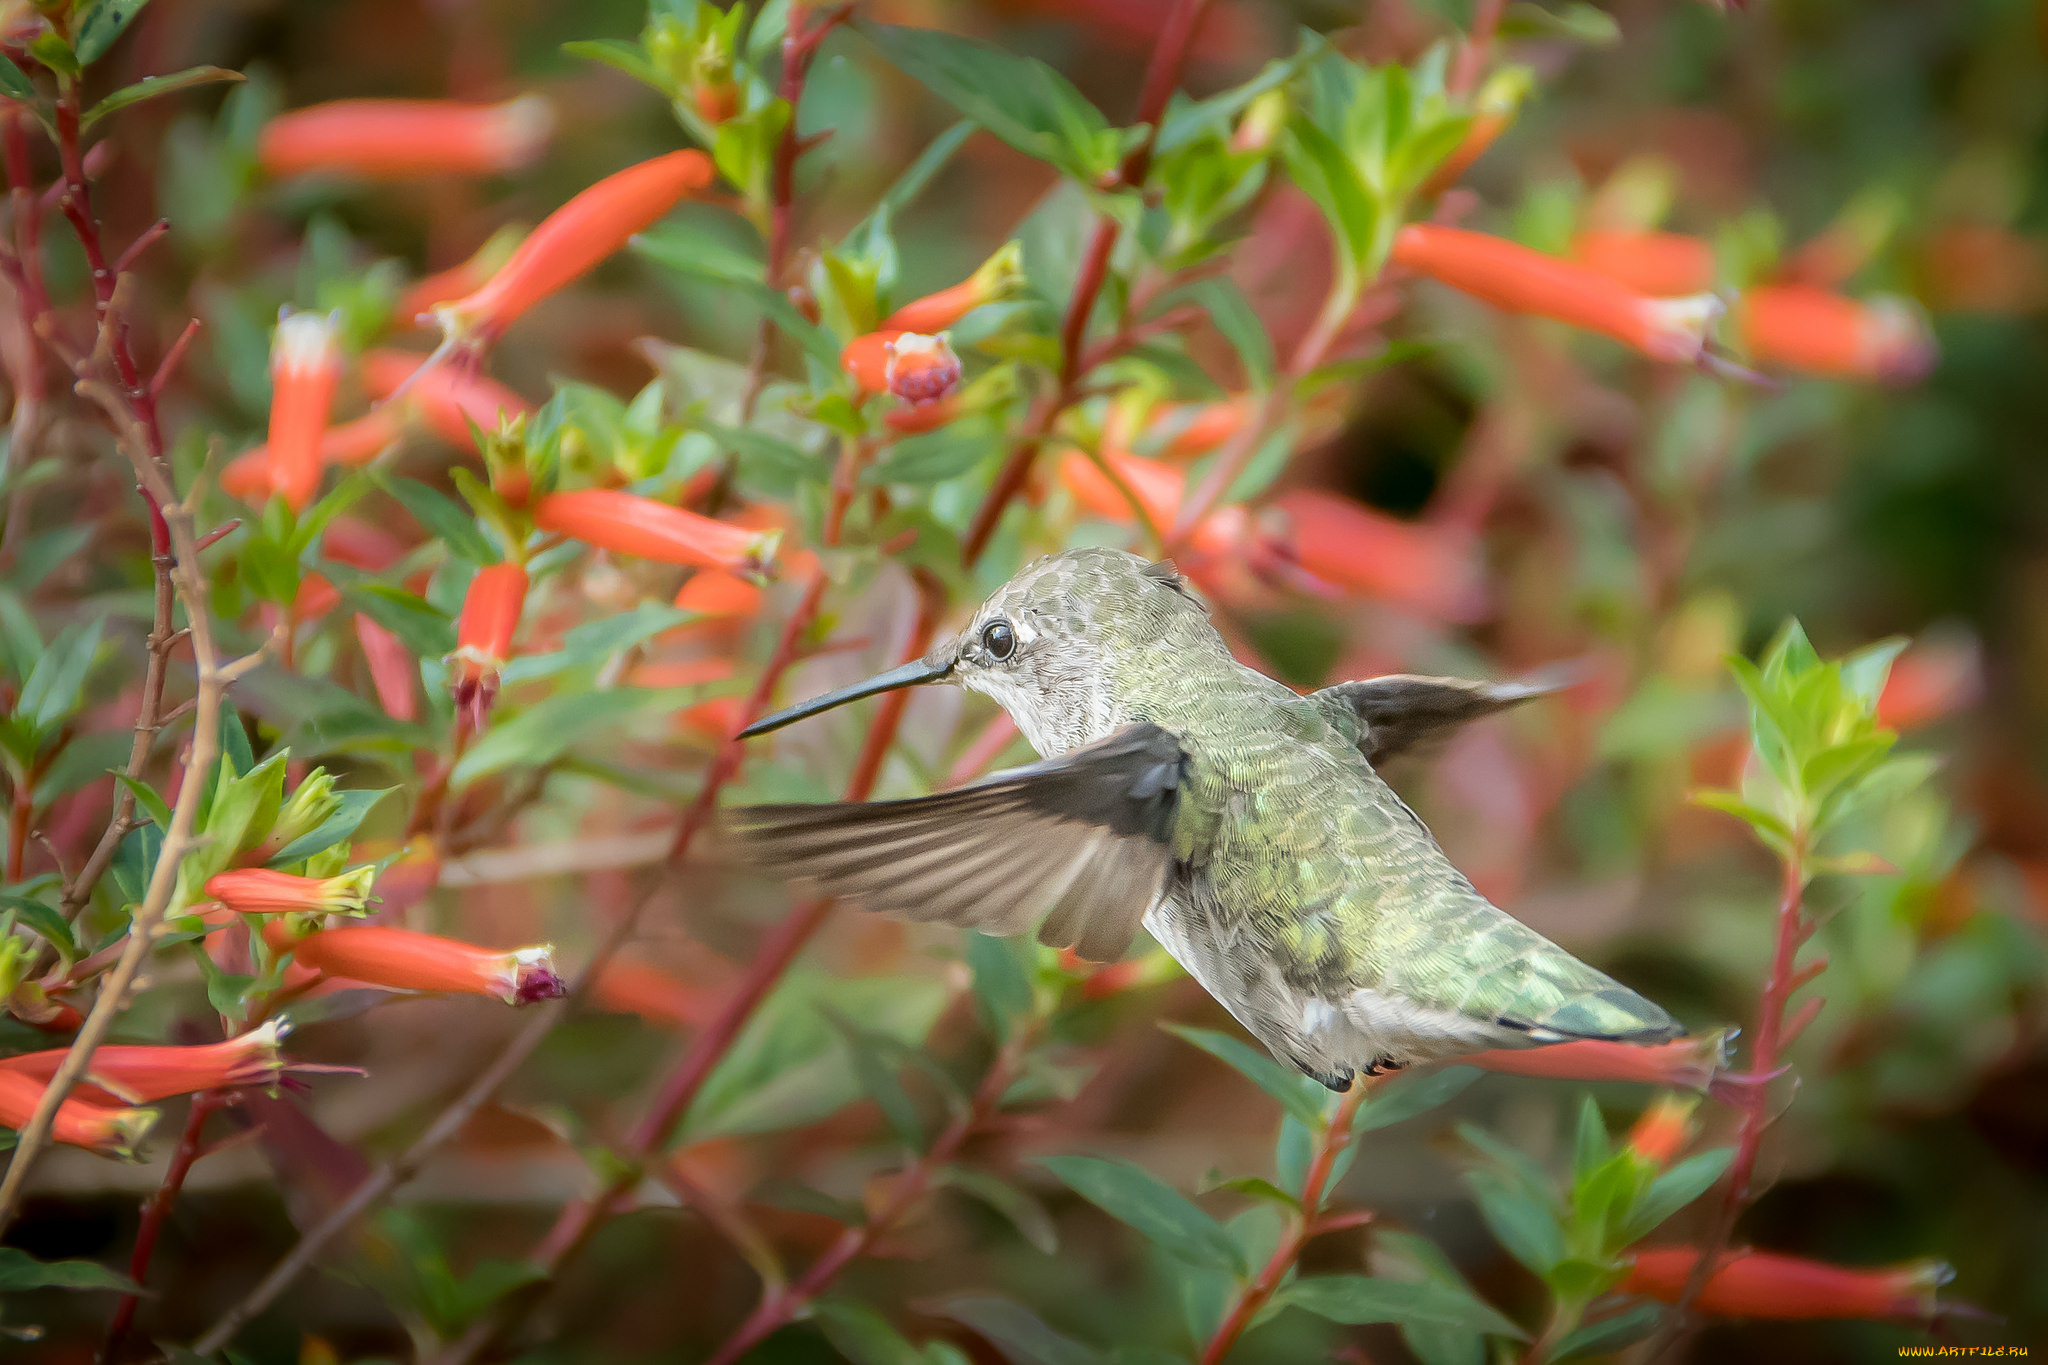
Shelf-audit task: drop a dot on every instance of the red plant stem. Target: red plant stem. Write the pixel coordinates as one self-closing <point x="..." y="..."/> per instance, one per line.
<point x="154" y="1214"/>
<point x="1309" y="1224"/>
<point x="799" y="46"/>
<point x="1771" y="1037"/>
<point x="1162" y="74"/>
<point x="1471" y="60"/>
<point x="779" y="1306"/>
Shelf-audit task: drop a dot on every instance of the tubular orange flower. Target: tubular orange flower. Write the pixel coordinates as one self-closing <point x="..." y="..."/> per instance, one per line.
<point x="1355" y="548"/>
<point x="445" y="286"/>
<point x="1687" y="1064"/>
<point x="400" y="959"/>
<point x="449" y="397"/>
<point x="571" y="241"/>
<point x="139" y="1074"/>
<point x="997" y="278"/>
<point x="1516" y="279"/>
<point x="261" y="891"/>
<point x="1662" y="264"/>
<point x="713" y="592"/>
<point x="1663" y="1130"/>
<point x="1158" y="489"/>
<point x="248" y="475"/>
<point x="396" y="139"/>
<point x="1191" y="429"/>
<point x="483" y="637"/>
<point x="392" y="669"/>
<point x="305" y="369"/>
<point x="1759" y="1284"/>
<point x="1817" y="332"/>
<point x="79" y="1123"/>
<point x="633" y="525"/>
<point x="632" y="987"/>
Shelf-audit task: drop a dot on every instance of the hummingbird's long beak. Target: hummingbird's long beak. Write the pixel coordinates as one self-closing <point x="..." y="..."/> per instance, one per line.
<point x="932" y="668"/>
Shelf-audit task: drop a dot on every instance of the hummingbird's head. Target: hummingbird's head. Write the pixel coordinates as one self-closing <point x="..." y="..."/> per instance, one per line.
<point x="1050" y="644"/>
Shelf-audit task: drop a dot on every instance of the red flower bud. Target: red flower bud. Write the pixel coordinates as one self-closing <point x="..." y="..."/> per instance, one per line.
<point x="138" y="1074"/>
<point x="248" y="475"/>
<point x="395" y="139"/>
<point x="483" y="637"/>
<point x="1663" y="1130"/>
<point x="997" y="278"/>
<point x="571" y="241"/>
<point x="1687" y="1064"/>
<point x="1661" y="264"/>
<point x="1817" y="332"/>
<point x="79" y="1123"/>
<point x="1759" y="1284"/>
<point x="260" y="891"/>
<point x="450" y="397"/>
<point x="1516" y="279"/>
<point x="631" y="525"/>
<point x="918" y="369"/>
<point x="305" y="369"/>
<point x="402" y="960"/>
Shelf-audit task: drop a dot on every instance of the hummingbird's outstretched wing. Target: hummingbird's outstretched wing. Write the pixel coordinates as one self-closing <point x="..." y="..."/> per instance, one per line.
<point x="1083" y="840"/>
<point x="1391" y="715"/>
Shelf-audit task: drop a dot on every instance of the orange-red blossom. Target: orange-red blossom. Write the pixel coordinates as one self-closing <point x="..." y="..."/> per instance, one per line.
<point x="1352" y="547"/>
<point x="483" y="637"/>
<point x="395" y="139"/>
<point x="1686" y="1064"/>
<point x="138" y="1074"/>
<point x="305" y="370"/>
<point x="571" y="241"/>
<point x="997" y="278"/>
<point x="1761" y="1284"/>
<point x="79" y="1123"/>
<point x="453" y="400"/>
<point x="1801" y="327"/>
<point x="1663" y="264"/>
<point x="248" y="475"/>
<point x="1516" y="279"/>
<point x="261" y="891"/>
<point x="628" y="524"/>
<point x="403" y="960"/>
<point x="1663" y="1130"/>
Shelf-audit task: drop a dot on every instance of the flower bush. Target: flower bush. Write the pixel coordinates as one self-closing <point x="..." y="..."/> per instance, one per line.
<point x="436" y="432"/>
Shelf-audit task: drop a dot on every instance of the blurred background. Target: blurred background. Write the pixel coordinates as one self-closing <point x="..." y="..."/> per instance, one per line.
<point x="1642" y="522"/>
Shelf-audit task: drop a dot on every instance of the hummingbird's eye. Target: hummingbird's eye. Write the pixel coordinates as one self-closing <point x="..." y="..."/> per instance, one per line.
<point x="999" y="640"/>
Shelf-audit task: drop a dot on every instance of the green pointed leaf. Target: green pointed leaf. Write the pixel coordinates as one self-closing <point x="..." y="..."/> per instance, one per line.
<point x="1240" y="325"/>
<point x="622" y="56"/>
<point x="1017" y="1332"/>
<point x="1024" y="1213"/>
<point x="1767" y="825"/>
<point x="1673" y="1190"/>
<point x="1001" y="985"/>
<point x="861" y="1334"/>
<point x="1299" y="1095"/>
<point x="1577" y="22"/>
<point x="444" y="518"/>
<point x="1524" y="1224"/>
<point x="14" y="82"/>
<point x="1609" y="1334"/>
<point x="19" y="1270"/>
<point x="102" y="23"/>
<point x="151" y="804"/>
<point x="1404" y="1098"/>
<point x="1024" y="102"/>
<point x="45" y="921"/>
<point x="355" y="804"/>
<point x="935" y="456"/>
<point x="1318" y="165"/>
<point x="911" y="183"/>
<point x="1134" y="1196"/>
<point x="594" y="642"/>
<point x="1357" y="1299"/>
<point x="152" y="86"/>
<point x="418" y="626"/>
<point x="56" y="685"/>
<point x="1865" y="671"/>
<point x="550" y="729"/>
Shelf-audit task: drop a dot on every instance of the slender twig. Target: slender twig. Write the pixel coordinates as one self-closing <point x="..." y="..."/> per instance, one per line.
<point x="154" y="1214"/>
<point x="1773" y="1034"/>
<point x="1309" y="1223"/>
<point x="781" y="1305"/>
<point x="1162" y="74"/>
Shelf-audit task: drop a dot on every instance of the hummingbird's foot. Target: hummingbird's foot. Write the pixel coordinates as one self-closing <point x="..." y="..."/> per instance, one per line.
<point x="1384" y="1065"/>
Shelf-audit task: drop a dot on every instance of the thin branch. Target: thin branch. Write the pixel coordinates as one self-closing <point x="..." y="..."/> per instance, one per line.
<point x="154" y="1214"/>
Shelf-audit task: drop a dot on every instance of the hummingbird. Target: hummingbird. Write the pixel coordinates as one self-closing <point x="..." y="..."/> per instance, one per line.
<point x="1244" y="825"/>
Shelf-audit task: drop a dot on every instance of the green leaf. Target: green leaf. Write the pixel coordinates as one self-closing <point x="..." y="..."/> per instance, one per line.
<point x="1299" y="1095"/>
<point x="548" y="730"/>
<point x="622" y="56"/>
<point x="935" y="456"/>
<point x="757" y="449"/>
<point x="1189" y="120"/>
<point x="56" y="684"/>
<point x="14" y="82"/>
<point x="863" y="1335"/>
<point x="1358" y="1299"/>
<point x="1318" y="165"/>
<point x="153" y="805"/>
<point x="19" y="1270"/>
<point x="593" y="642"/>
<point x="418" y="626"/>
<point x="1001" y="985"/>
<point x="694" y="254"/>
<point x="1768" y="826"/>
<point x="1408" y="1096"/>
<point x="1024" y="1213"/>
<point x="1134" y="1196"/>
<point x="1577" y="22"/>
<point x="46" y="921"/>
<point x="52" y="51"/>
<point x="234" y="742"/>
<point x="1024" y="102"/>
<point x="102" y="24"/>
<point x="355" y="804"/>
<point x="150" y="87"/>
<point x="1017" y="1332"/>
<point x="877" y="1071"/>
<point x="1673" y="1190"/>
<point x="1525" y="1225"/>
<point x="911" y="183"/>
<point x="1239" y="323"/>
<point x="1865" y="671"/>
<point x="444" y="518"/>
<point x="1610" y="1334"/>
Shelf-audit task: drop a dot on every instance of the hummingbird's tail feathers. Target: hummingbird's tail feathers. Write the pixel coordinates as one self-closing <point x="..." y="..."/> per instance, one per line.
<point x="1080" y="844"/>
